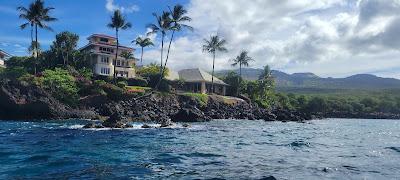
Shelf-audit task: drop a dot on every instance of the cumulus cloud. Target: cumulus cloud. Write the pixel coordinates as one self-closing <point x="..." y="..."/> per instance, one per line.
<point x="309" y="35"/>
<point x="111" y="6"/>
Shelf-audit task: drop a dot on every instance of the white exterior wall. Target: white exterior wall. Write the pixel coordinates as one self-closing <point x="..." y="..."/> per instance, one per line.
<point x="2" y="63"/>
<point x="99" y="65"/>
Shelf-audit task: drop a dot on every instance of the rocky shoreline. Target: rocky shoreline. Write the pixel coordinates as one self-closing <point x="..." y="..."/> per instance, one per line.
<point x="19" y="101"/>
<point x="25" y="102"/>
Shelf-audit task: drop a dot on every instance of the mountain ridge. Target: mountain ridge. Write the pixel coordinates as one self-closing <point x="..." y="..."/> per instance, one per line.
<point x="311" y="80"/>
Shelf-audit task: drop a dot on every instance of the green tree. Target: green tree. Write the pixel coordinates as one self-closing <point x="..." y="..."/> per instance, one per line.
<point x="151" y="69"/>
<point x="163" y="25"/>
<point x="39" y="15"/>
<point x="118" y="22"/>
<point x="28" y="15"/>
<point x="143" y="42"/>
<point x="64" y="46"/>
<point x="61" y="84"/>
<point x="178" y="18"/>
<point x="213" y="45"/>
<point x="266" y="83"/>
<point x="234" y="84"/>
<point x="242" y="60"/>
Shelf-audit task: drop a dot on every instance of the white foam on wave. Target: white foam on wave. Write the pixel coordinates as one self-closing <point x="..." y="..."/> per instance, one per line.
<point x="76" y="126"/>
<point x="137" y="126"/>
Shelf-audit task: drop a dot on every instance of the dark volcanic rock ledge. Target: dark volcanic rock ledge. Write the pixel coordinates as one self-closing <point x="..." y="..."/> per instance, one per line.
<point x="29" y="102"/>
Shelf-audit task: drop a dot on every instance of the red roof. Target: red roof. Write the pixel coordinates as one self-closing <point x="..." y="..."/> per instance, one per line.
<point x="101" y="35"/>
<point x="99" y="44"/>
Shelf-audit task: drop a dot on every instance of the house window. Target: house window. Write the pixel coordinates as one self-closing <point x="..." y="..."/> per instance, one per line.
<point x="105" y="59"/>
<point x="103" y="40"/>
<point x="105" y="71"/>
<point x="118" y="63"/>
<point x="107" y="50"/>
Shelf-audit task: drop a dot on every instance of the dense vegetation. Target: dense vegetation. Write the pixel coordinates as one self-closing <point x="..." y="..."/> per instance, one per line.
<point x="333" y="103"/>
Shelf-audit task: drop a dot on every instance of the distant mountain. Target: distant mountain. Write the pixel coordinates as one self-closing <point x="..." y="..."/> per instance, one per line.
<point x="310" y="80"/>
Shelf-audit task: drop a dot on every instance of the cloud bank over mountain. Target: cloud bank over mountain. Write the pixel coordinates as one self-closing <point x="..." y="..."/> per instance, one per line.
<point x="327" y="37"/>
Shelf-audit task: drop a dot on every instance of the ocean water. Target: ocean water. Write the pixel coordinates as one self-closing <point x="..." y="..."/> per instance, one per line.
<point x="223" y="149"/>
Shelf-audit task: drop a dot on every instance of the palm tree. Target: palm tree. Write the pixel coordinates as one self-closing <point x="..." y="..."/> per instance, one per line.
<point x="39" y="15"/>
<point x="213" y="45"/>
<point x="27" y="14"/>
<point x="143" y="42"/>
<point x="118" y="22"/>
<point x="242" y="60"/>
<point x="177" y="19"/>
<point x="162" y="26"/>
<point x="127" y="55"/>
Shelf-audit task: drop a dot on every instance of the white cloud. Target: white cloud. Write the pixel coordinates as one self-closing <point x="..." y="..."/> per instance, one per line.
<point x="328" y="37"/>
<point x="110" y="6"/>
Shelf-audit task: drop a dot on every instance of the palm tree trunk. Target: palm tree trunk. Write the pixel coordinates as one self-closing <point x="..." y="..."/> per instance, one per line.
<point x="66" y="58"/>
<point x="141" y="58"/>
<point x="169" y="47"/>
<point x="36" y="48"/>
<point x="212" y="74"/>
<point x="166" y="60"/>
<point x="162" y="51"/>
<point x="116" y="57"/>
<point x="240" y="75"/>
<point x="31" y="34"/>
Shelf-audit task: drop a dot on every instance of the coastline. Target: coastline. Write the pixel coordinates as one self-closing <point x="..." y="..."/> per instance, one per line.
<point x="19" y="102"/>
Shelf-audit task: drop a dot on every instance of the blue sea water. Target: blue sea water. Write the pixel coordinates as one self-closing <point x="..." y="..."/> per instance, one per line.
<point x="224" y="149"/>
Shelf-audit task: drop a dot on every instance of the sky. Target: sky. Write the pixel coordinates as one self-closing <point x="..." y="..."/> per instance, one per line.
<point x="331" y="38"/>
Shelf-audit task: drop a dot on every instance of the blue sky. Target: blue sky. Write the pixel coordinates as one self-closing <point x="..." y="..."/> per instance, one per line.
<point x="331" y="38"/>
<point x="82" y="17"/>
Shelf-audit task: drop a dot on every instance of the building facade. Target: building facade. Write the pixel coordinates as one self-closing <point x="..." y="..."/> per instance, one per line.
<point x="199" y="81"/>
<point x="102" y="49"/>
<point x="3" y="57"/>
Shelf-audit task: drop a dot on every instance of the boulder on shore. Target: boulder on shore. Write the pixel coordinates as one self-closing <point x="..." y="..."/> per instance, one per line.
<point x="116" y="121"/>
<point x="189" y="115"/>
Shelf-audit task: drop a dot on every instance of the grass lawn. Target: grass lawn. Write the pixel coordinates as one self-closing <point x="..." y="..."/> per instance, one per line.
<point x="202" y="98"/>
<point x="137" y="89"/>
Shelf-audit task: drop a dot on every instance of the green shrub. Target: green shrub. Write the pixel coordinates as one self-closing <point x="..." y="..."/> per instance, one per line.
<point x="13" y="73"/>
<point x="152" y="69"/>
<point x="86" y="73"/>
<point x="138" y="82"/>
<point x="113" y="92"/>
<point x="201" y="98"/>
<point x="122" y="84"/>
<point x="30" y="79"/>
<point x="61" y="85"/>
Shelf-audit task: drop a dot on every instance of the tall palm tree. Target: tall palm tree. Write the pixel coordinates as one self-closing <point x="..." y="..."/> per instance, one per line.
<point x="27" y="14"/>
<point x="213" y="45"/>
<point x="163" y="25"/>
<point x="242" y="60"/>
<point x="118" y="22"/>
<point x="39" y="15"/>
<point x="178" y="18"/>
<point x="143" y="42"/>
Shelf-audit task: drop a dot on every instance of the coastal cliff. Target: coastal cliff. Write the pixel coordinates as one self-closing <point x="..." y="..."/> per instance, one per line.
<point x="19" y="101"/>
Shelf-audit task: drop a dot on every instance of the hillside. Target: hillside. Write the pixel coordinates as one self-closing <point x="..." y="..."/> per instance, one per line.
<point x="312" y="81"/>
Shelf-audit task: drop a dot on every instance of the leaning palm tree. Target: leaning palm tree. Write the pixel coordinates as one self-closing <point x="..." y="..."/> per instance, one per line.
<point x="40" y="16"/>
<point x="242" y="60"/>
<point x="213" y="45"/>
<point x="162" y="26"/>
<point x="118" y="22"/>
<point x="178" y="18"/>
<point x="143" y="42"/>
